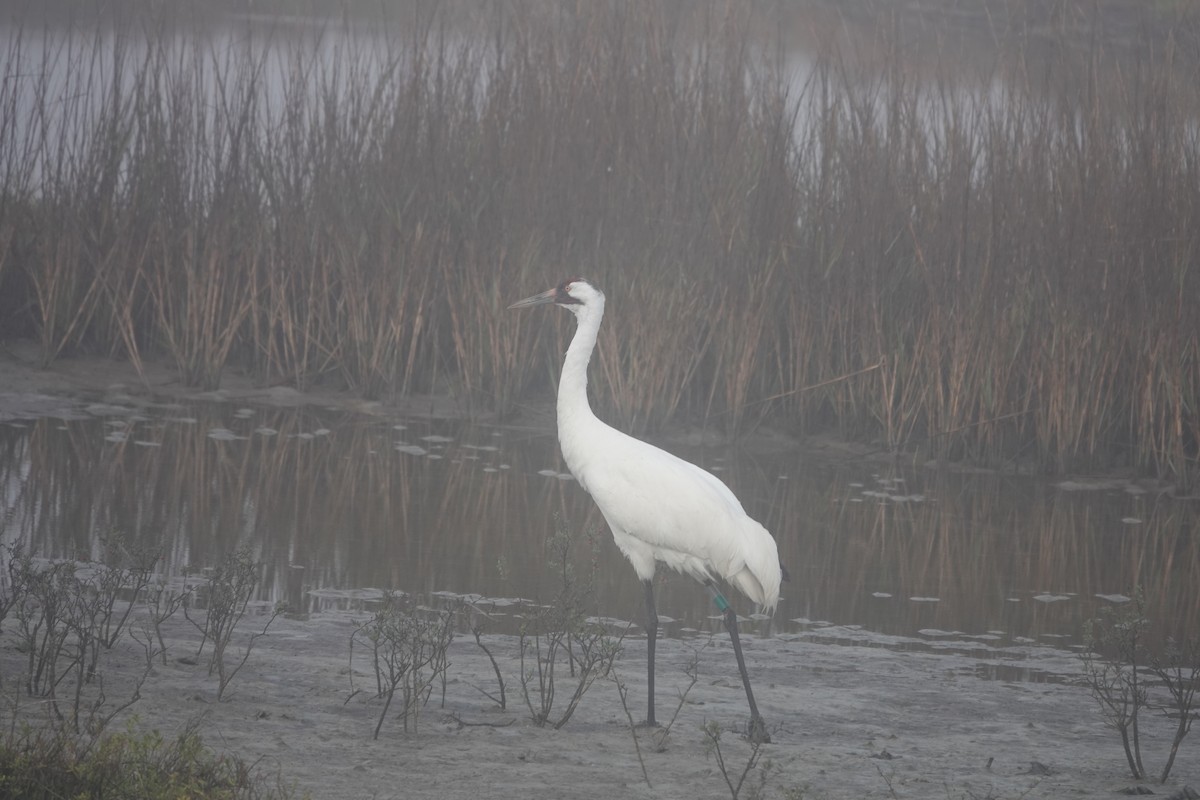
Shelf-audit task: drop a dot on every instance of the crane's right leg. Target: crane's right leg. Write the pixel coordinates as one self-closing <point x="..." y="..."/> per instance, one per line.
<point x="757" y="731"/>
<point x="651" y="638"/>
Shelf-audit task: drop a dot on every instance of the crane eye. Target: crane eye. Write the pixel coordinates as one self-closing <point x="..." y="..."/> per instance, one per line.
<point x="563" y="293"/>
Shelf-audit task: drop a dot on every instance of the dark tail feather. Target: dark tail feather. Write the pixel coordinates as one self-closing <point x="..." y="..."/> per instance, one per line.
<point x="783" y="571"/>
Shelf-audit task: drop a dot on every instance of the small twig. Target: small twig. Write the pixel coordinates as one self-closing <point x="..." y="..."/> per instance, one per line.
<point x="810" y="387"/>
<point x="713" y="731"/>
<point x="226" y="677"/>
<point x="692" y="670"/>
<point x="503" y="699"/>
<point x="623" y="691"/>
<point x="888" y="781"/>
<point x="464" y="724"/>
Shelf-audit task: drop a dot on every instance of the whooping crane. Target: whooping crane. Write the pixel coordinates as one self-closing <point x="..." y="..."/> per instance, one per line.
<point x="659" y="507"/>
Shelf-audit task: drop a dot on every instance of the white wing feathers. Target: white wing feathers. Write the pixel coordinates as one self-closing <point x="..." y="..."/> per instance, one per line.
<point x="662" y="508"/>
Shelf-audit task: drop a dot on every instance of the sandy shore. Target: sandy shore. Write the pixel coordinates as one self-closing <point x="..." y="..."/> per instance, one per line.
<point x="870" y="719"/>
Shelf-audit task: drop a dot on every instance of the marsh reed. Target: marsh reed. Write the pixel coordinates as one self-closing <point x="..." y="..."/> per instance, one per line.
<point x="1004" y="256"/>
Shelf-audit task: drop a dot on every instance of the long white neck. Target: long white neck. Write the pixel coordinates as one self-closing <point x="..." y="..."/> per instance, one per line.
<point x="575" y="415"/>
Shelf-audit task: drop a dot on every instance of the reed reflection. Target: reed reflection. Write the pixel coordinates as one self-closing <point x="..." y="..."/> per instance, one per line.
<point x="431" y="507"/>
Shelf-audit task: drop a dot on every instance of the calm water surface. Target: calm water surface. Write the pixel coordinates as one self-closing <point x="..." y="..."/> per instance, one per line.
<point x="362" y="502"/>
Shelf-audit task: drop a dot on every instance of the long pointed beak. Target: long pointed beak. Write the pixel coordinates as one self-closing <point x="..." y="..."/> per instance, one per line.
<point x="537" y="300"/>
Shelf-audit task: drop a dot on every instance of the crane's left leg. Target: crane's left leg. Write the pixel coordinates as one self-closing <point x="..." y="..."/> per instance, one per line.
<point x="651" y="638"/>
<point x="758" y="728"/>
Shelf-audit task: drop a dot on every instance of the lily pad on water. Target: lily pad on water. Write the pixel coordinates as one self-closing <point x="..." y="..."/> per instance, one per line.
<point x="329" y="593"/>
<point x="108" y="410"/>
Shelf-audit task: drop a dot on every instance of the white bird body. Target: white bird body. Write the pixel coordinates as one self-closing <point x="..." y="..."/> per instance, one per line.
<point x="659" y="507"/>
<point x="662" y="508"/>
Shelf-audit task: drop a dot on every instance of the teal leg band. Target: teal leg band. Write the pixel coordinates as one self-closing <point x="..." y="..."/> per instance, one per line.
<point x="718" y="599"/>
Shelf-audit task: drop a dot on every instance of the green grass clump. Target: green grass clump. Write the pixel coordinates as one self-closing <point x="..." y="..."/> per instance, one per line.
<point x="129" y="765"/>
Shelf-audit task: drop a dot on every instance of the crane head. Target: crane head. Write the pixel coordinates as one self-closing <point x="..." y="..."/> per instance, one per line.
<point x="569" y="293"/>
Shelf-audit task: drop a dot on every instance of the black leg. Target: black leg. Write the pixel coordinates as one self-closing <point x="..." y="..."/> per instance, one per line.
<point x="758" y="728"/>
<point x="651" y="638"/>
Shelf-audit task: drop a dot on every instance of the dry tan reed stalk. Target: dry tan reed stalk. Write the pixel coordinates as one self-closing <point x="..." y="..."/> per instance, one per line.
<point x="1016" y="244"/>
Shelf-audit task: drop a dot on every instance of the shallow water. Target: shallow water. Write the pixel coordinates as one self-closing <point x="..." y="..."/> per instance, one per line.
<point x="897" y="558"/>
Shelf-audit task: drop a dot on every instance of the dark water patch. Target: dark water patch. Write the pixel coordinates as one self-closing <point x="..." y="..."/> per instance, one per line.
<point x="345" y="504"/>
